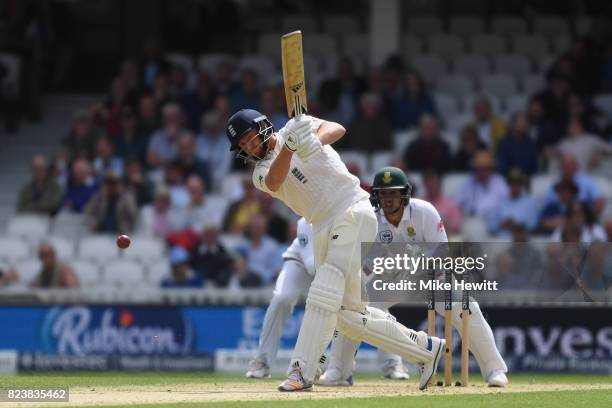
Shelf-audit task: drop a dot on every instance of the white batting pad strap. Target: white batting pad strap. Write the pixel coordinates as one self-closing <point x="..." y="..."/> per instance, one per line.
<point x="381" y="330"/>
<point x="322" y="306"/>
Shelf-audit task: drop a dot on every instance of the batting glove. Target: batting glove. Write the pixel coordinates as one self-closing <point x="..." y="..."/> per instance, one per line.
<point x="292" y="142"/>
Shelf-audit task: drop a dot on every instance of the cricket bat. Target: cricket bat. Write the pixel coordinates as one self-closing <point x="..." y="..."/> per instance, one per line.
<point x="293" y="73"/>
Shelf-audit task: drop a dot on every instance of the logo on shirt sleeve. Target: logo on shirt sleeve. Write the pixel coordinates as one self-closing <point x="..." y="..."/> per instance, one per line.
<point x="385" y="236"/>
<point x="261" y="181"/>
<point x="440" y="226"/>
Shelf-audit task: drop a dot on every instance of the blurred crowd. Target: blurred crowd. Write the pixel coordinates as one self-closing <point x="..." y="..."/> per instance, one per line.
<point x="152" y="159"/>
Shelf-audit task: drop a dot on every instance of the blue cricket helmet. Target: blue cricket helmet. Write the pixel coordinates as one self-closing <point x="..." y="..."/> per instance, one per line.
<point x="243" y="121"/>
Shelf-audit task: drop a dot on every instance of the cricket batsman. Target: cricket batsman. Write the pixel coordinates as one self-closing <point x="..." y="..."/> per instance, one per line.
<point x="411" y="220"/>
<point x="294" y="280"/>
<point x="298" y="166"/>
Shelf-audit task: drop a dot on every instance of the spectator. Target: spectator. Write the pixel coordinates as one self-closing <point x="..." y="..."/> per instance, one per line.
<point x="128" y="72"/>
<point x="182" y="275"/>
<point x="519" y="267"/>
<point x="179" y="198"/>
<point x="130" y="144"/>
<point x="518" y="209"/>
<point x="199" y="211"/>
<point x="580" y="216"/>
<point x="410" y="102"/>
<point x="53" y="273"/>
<point x="516" y="150"/>
<point x="162" y="146"/>
<point x="608" y="228"/>
<point x="112" y="209"/>
<point x="242" y="276"/>
<point x="585" y="147"/>
<point x="543" y="131"/>
<point x="588" y="190"/>
<point x="152" y="62"/>
<point x="161" y="91"/>
<point x="42" y="194"/>
<point x="189" y="163"/>
<point x="448" y="209"/>
<point x="213" y="147"/>
<point x="80" y="141"/>
<point x="241" y="211"/>
<point x="554" y="97"/>
<point x="158" y="219"/>
<point x="246" y="95"/>
<point x="8" y="277"/>
<point x="354" y="169"/>
<point x="81" y="186"/>
<point x="271" y="108"/>
<point x="484" y="190"/>
<point x="117" y="101"/>
<point x="578" y="109"/>
<point x="371" y="131"/>
<point x="428" y="150"/>
<point x="105" y="161"/>
<point x="277" y="224"/>
<point x="339" y="95"/>
<point x="224" y="74"/>
<point x="148" y="121"/>
<point x="137" y="183"/>
<point x="491" y="129"/>
<point x="210" y="258"/>
<point x="469" y="144"/>
<point x="177" y="85"/>
<point x="199" y="101"/>
<point x="262" y="251"/>
<point x="553" y="214"/>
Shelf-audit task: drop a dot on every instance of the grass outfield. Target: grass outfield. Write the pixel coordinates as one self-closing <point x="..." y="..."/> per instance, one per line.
<point x="182" y="390"/>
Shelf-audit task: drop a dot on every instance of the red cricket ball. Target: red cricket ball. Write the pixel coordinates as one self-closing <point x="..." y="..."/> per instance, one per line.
<point x="123" y="241"/>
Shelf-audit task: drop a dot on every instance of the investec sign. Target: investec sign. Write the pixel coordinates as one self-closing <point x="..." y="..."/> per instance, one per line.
<point x="114" y="330"/>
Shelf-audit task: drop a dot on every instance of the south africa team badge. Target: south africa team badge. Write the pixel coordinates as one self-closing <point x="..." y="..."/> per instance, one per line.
<point x="411" y="231"/>
<point x="385" y="236"/>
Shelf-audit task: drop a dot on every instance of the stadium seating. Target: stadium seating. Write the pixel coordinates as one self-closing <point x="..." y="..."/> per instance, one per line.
<point x="424" y="25"/>
<point x="512" y="64"/>
<point x="487" y="44"/>
<point x="466" y="25"/>
<point x="550" y="26"/>
<point x="122" y="273"/>
<point x="446" y="45"/>
<point x="471" y="64"/>
<point x="500" y="85"/>
<point x="99" y="248"/>
<point x="28" y="226"/>
<point x="430" y="66"/>
<point x="508" y="26"/>
<point x="446" y="105"/>
<point x="87" y="272"/>
<point x="532" y="46"/>
<point x="456" y="85"/>
<point x="27" y="270"/>
<point x="13" y="248"/>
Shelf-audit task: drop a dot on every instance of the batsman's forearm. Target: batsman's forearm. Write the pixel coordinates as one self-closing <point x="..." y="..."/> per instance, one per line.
<point x="330" y="132"/>
<point x="279" y="169"/>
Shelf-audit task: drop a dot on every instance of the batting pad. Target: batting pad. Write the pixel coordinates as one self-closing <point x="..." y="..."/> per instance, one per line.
<point x="322" y="306"/>
<point x="482" y="341"/>
<point x="381" y="330"/>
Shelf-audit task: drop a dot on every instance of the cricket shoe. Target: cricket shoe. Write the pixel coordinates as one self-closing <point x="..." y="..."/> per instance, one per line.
<point x="392" y="370"/>
<point x="497" y="378"/>
<point x="332" y="377"/>
<point x="295" y="381"/>
<point x="258" y="369"/>
<point x="428" y="370"/>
